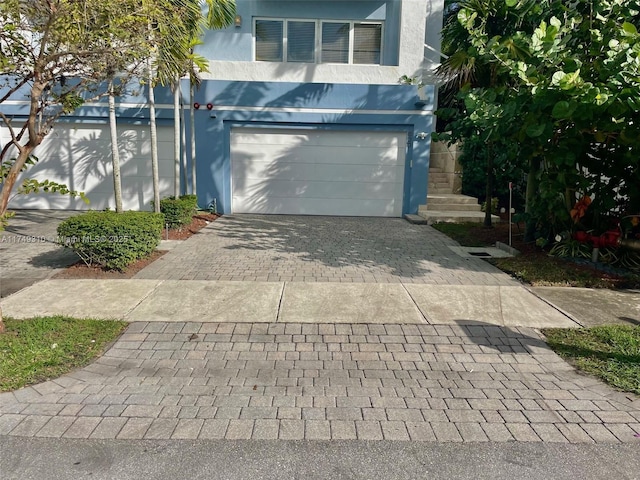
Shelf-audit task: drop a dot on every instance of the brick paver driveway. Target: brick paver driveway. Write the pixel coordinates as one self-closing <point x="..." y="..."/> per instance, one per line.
<point x="325" y="381"/>
<point x="322" y="249"/>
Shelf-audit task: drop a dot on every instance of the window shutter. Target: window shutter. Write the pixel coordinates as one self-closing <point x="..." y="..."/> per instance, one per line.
<point x="269" y="35"/>
<point x="301" y="42"/>
<point x="335" y="42"/>
<point x="367" y="40"/>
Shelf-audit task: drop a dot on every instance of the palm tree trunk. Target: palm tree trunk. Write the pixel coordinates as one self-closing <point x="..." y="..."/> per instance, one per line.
<point x="176" y="137"/>
<point x="193" y="139"/>
<point x="183" y="139"/>
<point x="115" y="152"/>
<point x="154" y="143"/>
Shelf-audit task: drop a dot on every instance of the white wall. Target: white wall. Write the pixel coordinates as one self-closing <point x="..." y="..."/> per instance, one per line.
<point x="79" y="156"/>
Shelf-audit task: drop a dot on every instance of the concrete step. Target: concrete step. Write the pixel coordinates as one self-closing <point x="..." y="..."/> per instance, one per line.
<point x="452" y="207"/>
<point x="444" y="198"/>
<point x="456" y="217"/>
<point x="415" y="219"/>
<point x="439" y="185"/>
<point x="439" y="177"/>
<point x="435" y="170"/>
<point x="440" y="190"/>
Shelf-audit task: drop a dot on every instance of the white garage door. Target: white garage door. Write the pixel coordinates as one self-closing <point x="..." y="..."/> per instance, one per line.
<point x="79" y="156"/>
<point x="319" y="172"/>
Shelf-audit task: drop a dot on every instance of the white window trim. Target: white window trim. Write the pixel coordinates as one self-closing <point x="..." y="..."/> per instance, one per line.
<point x="318" y="46"/>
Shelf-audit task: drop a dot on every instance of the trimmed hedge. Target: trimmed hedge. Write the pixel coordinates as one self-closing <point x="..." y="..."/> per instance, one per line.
<point x="178" y="212"/>
<point x="112" y="240"/>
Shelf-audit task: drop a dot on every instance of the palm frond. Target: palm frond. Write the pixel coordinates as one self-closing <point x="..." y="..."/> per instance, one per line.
<point x="220" y="13"/>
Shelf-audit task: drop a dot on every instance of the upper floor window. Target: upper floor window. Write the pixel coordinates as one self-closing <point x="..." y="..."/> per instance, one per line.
<point x="318" y="41"/>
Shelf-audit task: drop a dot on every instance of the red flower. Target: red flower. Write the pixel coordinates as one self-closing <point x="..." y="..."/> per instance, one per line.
<point x="580" y="208"/>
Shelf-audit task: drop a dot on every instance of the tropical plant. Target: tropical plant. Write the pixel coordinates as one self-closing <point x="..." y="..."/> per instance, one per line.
<point x="175" y="57"/>
<point x="574" y="74"/>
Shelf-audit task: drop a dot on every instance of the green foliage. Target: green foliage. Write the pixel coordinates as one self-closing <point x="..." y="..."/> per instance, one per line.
<point x="625" y="258"/>
<point x="571" y="248"/>
<point x="4" y="219"/>
<point x="60" y="54"/>
<point x="5" y="167"/>
<point x="494" y="206"/>
<point x="566" y="81"/>
<point x="39" y="349"/>
<point x="112" y="240"/>
<point x="191" y="201"/>
<point x="407" y="80"/>
<point x="178" y="212"/>
<point x="31" y="185"/>
<point x="611" y="352"/>
<point x="177" y="27"/>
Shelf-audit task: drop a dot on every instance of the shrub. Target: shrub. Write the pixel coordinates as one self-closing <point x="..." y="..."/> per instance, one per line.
<point x="112" y="240"/>
<point x="179" y="211"/>
<point x="494" y="206"/>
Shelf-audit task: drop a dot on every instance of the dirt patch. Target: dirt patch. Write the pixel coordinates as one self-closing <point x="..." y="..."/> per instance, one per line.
<point x="80" y="270"/>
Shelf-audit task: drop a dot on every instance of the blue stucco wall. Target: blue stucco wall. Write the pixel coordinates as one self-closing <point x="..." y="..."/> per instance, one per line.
<point x="236" y="43"/>
<point x="292" y="105"/>
<point x="279" y="104"/>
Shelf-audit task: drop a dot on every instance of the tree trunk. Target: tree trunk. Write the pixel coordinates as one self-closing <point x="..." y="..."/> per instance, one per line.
<point x="532" y="190"/>
<point x="2" y="327"/>
<point x="489" y="191"/>
<point x="183" y="139"/>
<point x="115" y="152"/>
<point x="176" y="137"/>
<point x="12" y="176"/>
<point x="24" y="151"/>
<point x="154" y="143"/>
<point x="193" y="140"/>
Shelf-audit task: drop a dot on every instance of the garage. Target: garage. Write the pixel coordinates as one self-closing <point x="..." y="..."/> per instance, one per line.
<point x="317" y="172"/>
<point x="79" y="156"/>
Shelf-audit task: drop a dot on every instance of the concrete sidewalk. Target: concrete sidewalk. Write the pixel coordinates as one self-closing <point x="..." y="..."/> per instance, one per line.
<point x="277" y="302"/>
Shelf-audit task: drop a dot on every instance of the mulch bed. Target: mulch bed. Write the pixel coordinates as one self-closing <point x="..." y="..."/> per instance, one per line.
<point x="500" y="233"/>
<point x="80" y="270"/>
<point x="198" y="222"/>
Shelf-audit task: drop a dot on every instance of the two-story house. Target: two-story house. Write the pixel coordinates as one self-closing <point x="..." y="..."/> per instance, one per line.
<point x="302" y="112"/>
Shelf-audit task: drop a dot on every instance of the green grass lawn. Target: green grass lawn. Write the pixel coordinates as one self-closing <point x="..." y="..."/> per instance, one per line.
<point x="463" y="233"/>
<point x="42" y="348"/>
<point x="610" y="352"/>
<point x="545" y="271"/>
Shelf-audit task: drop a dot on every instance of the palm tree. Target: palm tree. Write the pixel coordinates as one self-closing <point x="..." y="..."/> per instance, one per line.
<point x="115" y="153"/>
<point x="176" y="58"/>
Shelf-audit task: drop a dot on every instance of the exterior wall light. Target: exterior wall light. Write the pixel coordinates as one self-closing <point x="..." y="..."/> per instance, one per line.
<point x="422" y="135"/>
<point x="238" y="21"/>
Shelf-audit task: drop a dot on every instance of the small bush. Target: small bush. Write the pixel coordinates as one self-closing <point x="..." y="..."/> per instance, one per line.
<point x="179" y="211"/>
<point x="112" y="240"/>
<point x="494" y="206"/>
